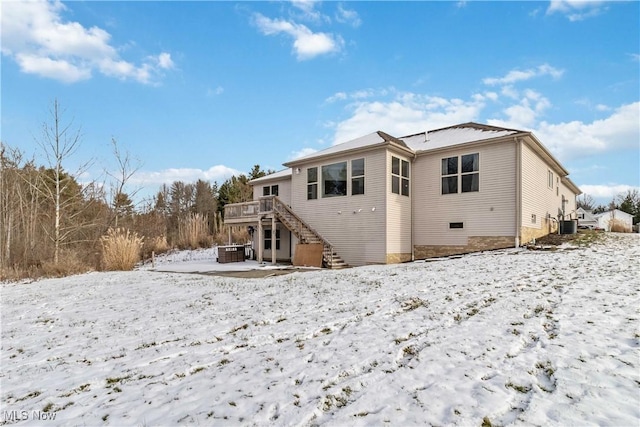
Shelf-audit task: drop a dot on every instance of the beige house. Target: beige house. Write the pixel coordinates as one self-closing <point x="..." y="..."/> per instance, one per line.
<point x="382" y="199"/>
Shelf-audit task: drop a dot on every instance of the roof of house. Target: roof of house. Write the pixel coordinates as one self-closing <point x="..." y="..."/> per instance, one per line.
<point x="450" y="136"/>
<point x="454" y="135"/>
<point x="370" y="140"/>
<point x="424" y="141"/>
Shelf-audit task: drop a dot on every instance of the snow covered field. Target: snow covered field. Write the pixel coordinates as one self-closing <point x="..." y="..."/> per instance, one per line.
<point x="513" y="336"/>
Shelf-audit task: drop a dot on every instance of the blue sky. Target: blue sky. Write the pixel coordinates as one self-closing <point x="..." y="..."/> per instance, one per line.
<point x="204" y="90"/>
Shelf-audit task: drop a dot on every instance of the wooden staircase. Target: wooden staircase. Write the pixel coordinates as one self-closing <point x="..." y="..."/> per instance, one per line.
<point x="304" y="232"/>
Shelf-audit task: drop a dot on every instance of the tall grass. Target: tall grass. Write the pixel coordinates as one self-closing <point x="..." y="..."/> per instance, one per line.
<point x="193" y="232"/>
<point x="619" y="226"/>
<point x="120" y="249"/>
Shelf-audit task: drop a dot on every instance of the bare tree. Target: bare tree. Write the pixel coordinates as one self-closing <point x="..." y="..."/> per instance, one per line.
<point x="9" y="161"/>
<point x="121" y="202"/>
<point x="585" y="202"/>
<point x="59" y="142"/>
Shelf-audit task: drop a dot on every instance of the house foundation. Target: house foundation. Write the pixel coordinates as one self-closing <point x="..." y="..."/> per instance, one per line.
<point x="527" y="234"/>
<point x="474" y="244"/>
<point x="398" y="258"/>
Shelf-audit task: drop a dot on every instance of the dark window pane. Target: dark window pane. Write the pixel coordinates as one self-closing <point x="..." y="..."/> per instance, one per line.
<point x="312" y="191"/>
<point x="395" y="166"/>
<point x="405" y="169"/>
<point x="405" y="187"/>
<point x="456" y="225"/>
<point x="265" y="191"/>
<point x="395" y="184"/>
<point x="357" y="167"/>
<point x="450" y="185"/>
<point x="449" y="166"/>
<point x="470" y="182"/>
<point x="312" y="175"/>
<point x="274" y="190"/>
<point x="357" y="186"/>
<point x="267" y="239"/>
<point x="334" y="179"/>
<point x="470" y="163"/>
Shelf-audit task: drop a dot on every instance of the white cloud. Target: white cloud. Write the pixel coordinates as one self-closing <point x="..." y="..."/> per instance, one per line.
<point x="576" y="139"/>
<point x="301" y="153"/>
<point x="41" y="42"/>
<point x="338" y="96"/>
<point x="346" y="16"/>
<point x="608" y="191"/>
<point x="218" y="173"/>
<point x="307" y="7"/>
<point x="523" y="115"/>
<point x="408" y="113"/>
<point x="57" y="69"/>
<point x="515" y="76"/>
<point x="164" y="61"/>
<point x="306" y="44"/>
<point x="576" y="10"/>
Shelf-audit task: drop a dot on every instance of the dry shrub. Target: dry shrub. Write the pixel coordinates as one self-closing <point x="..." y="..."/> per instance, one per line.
<point x="157" y="245"/>
<point x="239" y="235"/>
<point x="69" y="263"/>
<point x="619" y="226"/>
<point x="193" y="232"/>
<point x="120" y="249"/>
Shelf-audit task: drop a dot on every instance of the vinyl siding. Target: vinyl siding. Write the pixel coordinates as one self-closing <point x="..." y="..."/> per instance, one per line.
<point x="284" y="189"/>
<point x="537" y="197"/>
<point x="487" y="212"/>
<point x="284" y="253"/>
<point x="398" y="212"/>
<point x="350" y="223"/>
<point x="570" y="207"/>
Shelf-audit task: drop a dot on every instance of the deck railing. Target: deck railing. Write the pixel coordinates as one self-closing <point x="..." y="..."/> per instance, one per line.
<point x="272" y="204"/>
<point x="242" y="210"/>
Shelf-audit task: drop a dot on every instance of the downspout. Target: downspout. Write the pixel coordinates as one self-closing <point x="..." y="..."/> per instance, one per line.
<point x="518" y="218"/>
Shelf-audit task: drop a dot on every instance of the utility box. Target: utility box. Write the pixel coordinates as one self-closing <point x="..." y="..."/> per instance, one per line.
<point x="569" y="227"/>
<point x="228" y="254"/>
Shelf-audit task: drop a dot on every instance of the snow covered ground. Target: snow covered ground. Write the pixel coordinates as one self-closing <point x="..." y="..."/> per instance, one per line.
<point x="507" y="337"/>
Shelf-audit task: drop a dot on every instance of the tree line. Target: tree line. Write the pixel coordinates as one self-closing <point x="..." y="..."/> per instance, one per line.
<point x="52" y="221"/>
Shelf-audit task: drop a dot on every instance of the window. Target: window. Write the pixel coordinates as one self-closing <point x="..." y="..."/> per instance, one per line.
<point x="312" y="183"/>
<point x="456" y="225"/>
<point x="470" y="175"/>
<point x="580" y="216"/>
<point x="558" y="186"/>
<point x="550" y="179"/>
<point x="334" y="180"/>
<point x="270" y="191"/>
<point x="399" y="176"/>
<point x="357" y="177"/>
<point x="464" y="172"/>
<point x="268" y="239"/>
<point x="450" y="175"/>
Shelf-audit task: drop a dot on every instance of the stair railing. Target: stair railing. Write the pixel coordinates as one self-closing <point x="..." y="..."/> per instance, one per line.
<point x="297" y="225"/>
